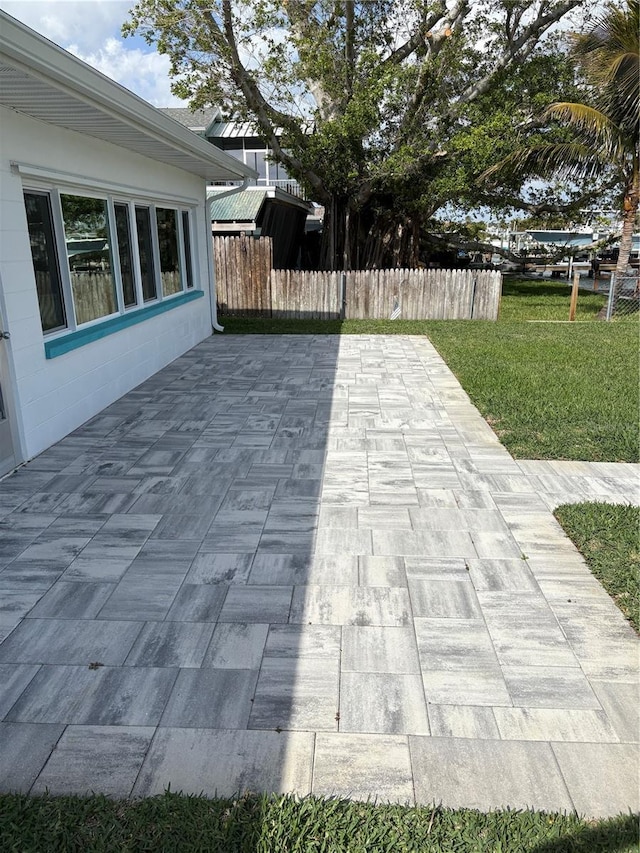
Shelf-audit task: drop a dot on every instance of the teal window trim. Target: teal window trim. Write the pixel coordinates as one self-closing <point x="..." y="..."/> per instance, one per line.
<point x="82" y="337"/>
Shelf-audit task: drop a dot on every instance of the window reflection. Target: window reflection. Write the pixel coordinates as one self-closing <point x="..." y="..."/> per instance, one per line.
<point x="168" y="248"/>
<point x="86" y="228"/>
<point x="145" y="251"/>
<point x="45" y="261"/>
<point x="125" y="254"/>
<point x="186" y="237"/>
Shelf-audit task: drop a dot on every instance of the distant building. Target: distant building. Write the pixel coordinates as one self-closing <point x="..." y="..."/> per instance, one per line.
<point x="272" y="206"/>
<point x="240" y="140"/>
<point x="262" y="212"/>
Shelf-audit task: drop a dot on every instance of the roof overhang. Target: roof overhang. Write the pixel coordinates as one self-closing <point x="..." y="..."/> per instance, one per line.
<point x="243" y="199"/>
<point x="41" y="80"/>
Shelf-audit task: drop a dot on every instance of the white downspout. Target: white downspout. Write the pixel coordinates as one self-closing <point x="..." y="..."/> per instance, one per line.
<point x="212" y="273"/>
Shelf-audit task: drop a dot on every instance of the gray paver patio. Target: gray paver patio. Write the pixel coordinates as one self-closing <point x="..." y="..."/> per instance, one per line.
<point x="299" y="563"/>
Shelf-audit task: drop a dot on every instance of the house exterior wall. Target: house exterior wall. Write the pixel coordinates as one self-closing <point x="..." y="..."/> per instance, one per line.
<point x="53" y="396"/>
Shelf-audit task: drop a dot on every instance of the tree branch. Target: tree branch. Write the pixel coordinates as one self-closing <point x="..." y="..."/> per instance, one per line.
<point x="517" y="48"/>
<point x="350" y="52"/>
<point x="467" y="243"/>
<point x="301" y="20"/>
<point x="418" y="37"/>
<point x="267" y="117"/>
<point x="518" y="203"/>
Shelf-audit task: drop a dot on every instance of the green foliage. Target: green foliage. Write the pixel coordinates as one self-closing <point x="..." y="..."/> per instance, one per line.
<point x="610" y="54"/>
<point x="84" y="216"/>
<point x="609" y="538"/>
<point x="174" y="823"/>
<point x="408" y="102"/>
<point x="603" y="142"/>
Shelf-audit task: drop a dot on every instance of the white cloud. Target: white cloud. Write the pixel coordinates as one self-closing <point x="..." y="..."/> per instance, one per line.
<point x="90" y="29"/>
<point x="84" y="22"/>
<point x="146" y="74"/>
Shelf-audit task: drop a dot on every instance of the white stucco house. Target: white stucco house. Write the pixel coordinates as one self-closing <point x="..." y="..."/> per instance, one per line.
<point x="105" y="258"/>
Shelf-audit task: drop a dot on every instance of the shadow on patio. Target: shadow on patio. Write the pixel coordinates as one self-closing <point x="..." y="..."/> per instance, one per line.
<point x="154" y="568"/>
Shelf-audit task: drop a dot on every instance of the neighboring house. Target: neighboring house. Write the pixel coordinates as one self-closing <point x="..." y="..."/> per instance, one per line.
<point x="241" y="141"/>
<point x="264" y="212"/>
<point x="273" y="207"/>
<point x="105" y="250"/>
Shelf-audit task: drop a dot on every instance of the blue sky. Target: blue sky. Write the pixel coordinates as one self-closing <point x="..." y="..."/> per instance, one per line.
<point x="90" y="29"/>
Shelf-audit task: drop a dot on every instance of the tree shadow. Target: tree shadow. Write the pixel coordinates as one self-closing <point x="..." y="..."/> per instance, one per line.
<point x="608" y="836"/>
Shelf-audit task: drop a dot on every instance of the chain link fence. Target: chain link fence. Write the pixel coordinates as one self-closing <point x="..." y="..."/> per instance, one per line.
<point x="624" y="295"/>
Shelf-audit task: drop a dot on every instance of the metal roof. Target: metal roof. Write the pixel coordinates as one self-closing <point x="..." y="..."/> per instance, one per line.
<point x="563" y="238"/>
<point x="232" y="130"/>
<point x="239" y="207"/>
<point x="43" y="81"/>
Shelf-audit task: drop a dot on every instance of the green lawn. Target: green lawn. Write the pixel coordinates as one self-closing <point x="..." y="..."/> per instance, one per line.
<point x="550" y="390"/>
<point x="538" y="299"/>
<point x="609" y="539"/>
<point x="276" y="824"/>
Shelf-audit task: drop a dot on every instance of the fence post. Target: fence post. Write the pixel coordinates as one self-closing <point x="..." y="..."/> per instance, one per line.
<point x="473" y="297"/>
<point x="343" y="295"/>
<point x="574" y="296"/>
<point x="612" y="287"/>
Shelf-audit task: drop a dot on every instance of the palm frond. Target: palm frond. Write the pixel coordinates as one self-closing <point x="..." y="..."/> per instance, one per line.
<point x="592" y="126"/>
<point x="616" y="31"/>
<point x="610" y="55"/>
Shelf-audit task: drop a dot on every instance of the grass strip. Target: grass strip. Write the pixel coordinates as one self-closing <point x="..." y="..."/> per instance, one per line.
<point x="550" y="391"/>
<point x="608" y="536"/>
<point x="286" y="824"/>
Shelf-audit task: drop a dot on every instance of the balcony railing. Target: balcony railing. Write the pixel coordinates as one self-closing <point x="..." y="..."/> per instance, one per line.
<point x="288" y="185"/>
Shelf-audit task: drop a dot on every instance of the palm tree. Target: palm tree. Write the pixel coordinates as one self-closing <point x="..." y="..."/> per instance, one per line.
<point x="605" y="135"/>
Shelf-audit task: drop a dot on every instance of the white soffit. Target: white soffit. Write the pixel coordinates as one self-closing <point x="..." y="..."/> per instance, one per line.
<point x="43" y="81"/>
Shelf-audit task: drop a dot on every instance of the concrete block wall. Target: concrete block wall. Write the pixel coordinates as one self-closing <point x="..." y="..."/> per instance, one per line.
<point x="51" y="397"/>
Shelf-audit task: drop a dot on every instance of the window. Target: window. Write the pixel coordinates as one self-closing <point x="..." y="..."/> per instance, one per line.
<point x="125" y="255"/>
<point x="86" y="230"/>
<point x="186" y="240"/>
<point x="167" y="223"/>
<point x="119" y="255"/>
<point x="256" y="160"/>
<point x="145" y="251"/>
<point x="45" y="261"/>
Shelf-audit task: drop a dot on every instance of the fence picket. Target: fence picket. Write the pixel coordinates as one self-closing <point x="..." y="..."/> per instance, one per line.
<point x="247" y="284"/>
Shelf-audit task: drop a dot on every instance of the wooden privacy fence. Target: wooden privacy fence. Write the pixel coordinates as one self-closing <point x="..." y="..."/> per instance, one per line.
<point x="247" y="286"/>
<point x="243" y="268"/>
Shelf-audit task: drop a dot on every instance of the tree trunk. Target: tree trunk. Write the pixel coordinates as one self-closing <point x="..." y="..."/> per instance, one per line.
<point x="367" y="239"/>
<point x="332" y="246"/>
<point x="630" y="212"/>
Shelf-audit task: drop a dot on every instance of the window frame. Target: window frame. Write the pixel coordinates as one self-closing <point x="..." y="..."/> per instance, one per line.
<point x="53" y="261"/>
<point x="53" y="189"/>
<point x="112" y="241"/>
<point x="122" y="306"/>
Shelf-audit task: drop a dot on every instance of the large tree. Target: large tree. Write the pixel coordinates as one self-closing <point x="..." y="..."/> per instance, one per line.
<point x="386" y="110"/>
<point x="604" y="136"/>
